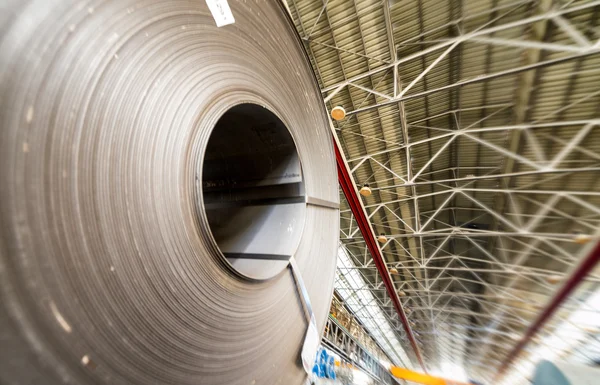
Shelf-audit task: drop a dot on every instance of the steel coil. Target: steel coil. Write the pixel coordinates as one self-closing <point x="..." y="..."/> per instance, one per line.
<point x="156" y="174"/>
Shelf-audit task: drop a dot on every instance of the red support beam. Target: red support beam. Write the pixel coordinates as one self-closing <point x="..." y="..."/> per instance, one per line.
<point x="586" y="266"/>
<point x="347" y="185"/>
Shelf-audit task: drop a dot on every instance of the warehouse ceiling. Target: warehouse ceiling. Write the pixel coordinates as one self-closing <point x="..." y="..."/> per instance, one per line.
<point x="476" y="125"/>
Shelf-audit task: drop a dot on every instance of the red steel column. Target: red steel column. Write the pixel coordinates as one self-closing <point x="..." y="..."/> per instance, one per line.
<point x="349" y="189"/>
<point x="586" y="266"/>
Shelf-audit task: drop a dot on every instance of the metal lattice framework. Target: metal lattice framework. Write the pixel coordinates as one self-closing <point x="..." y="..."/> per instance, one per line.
<point x="342" y="342"/>
<point x="476" y="125"/>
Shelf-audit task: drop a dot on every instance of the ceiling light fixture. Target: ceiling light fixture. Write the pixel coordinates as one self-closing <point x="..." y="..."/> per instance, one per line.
<point x="582" y="239"/>
<point x="554" y="279"/>
<point x="365" y="190"/>
<point x="338" y="113"/>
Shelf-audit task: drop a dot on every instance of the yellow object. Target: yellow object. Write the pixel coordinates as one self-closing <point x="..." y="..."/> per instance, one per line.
<point x="382" y="238"/>
<point x="338" y="113"/>
<point x="582" y="239"/>
<point x="421" y="378"/>
<point x="554" y="279"/>
<point x="365" y="190"/>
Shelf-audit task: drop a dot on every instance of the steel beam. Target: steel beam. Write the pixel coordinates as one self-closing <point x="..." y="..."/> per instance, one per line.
<point x="460" y="83"/>
<point x="349" y="188"/>
<point x="586" y="266"/>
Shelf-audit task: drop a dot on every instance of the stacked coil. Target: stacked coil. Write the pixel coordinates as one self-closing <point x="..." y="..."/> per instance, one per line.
<point x="156" y="174"/>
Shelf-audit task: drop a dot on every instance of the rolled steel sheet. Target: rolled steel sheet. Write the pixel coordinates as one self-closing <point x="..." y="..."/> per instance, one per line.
<point x="113" y="114"/>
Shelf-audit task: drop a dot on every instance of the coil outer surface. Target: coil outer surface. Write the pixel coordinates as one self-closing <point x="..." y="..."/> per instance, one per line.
<point x="109" y="272"/>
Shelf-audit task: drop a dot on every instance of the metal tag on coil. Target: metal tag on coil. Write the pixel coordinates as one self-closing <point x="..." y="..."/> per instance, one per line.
<point x="221" y="12"/>
<point x="312" y="338"/>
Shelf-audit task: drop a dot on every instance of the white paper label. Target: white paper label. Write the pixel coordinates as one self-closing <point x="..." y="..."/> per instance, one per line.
<point x="221" y="12"/>
<point x="311" y="344"/>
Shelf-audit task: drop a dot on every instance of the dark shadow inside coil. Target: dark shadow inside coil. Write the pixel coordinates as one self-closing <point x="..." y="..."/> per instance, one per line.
<point x="253" y="191"/>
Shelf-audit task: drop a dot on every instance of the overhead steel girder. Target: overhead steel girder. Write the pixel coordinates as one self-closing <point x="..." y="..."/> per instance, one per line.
<point x="348" y="187"/>
<point x="576" y="277"/>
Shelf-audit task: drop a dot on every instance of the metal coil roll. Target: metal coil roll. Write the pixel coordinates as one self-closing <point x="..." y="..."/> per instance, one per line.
<point x="156" y="174"/>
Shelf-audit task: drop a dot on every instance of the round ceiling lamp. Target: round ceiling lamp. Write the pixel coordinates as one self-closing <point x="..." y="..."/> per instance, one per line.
<point x="554" y="279"/>
<point x="365" y="190"/>
<point x="582" y="239"/>
<point x="338" y="113"/>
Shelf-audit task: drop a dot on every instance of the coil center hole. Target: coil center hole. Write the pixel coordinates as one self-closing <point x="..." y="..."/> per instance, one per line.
<point x="253" y="191"/>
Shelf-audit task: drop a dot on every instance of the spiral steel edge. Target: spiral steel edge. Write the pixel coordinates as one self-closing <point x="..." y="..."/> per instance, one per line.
<point x="107" y="272"/>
